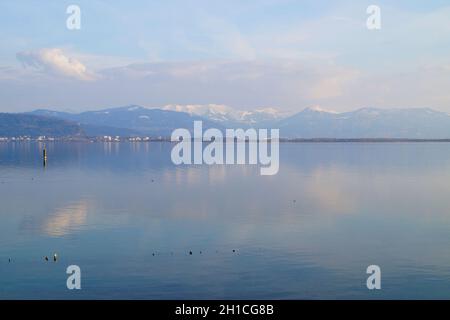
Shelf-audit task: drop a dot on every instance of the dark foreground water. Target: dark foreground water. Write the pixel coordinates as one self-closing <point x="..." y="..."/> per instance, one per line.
<point x="129" y="217"/>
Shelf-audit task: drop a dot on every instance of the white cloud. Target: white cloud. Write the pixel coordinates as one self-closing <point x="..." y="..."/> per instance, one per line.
<point x="55" y="61"/>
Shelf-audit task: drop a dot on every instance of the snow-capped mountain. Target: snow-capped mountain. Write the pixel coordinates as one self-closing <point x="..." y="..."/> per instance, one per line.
<point x="411" y="123"/>
<point x="227" y="115"/>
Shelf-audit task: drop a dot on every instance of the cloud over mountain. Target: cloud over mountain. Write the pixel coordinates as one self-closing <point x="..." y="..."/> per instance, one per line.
<point x="55" y="61"/>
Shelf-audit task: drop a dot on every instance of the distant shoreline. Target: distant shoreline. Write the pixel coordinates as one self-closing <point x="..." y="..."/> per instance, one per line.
<point x="152" y="140"/>
<point x="319" y="140"/>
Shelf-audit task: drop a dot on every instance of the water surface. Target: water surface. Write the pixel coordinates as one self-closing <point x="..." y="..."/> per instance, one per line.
<point x="129" y="218"/>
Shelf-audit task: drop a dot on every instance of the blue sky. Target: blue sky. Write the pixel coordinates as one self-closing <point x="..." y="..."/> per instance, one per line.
<point x="246" y="54"/>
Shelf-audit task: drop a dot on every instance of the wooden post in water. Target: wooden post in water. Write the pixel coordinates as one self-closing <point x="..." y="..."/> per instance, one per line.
<point x="44" y="156"/>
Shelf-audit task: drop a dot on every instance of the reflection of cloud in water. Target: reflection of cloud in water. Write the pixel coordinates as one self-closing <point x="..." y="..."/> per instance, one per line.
<point x="66" y="219"/>
<point x="330" y="191"/>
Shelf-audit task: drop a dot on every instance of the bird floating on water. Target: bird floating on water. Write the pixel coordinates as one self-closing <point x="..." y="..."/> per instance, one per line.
<point x="46" y="258"/>
<point x="55" y="257"/>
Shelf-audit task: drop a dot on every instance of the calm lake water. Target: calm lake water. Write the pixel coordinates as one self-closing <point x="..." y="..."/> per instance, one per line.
<point x="129" y="217"/>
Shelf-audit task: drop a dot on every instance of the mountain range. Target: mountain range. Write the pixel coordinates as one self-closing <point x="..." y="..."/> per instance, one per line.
<point x="14" y="124"/>
<point x="128" y="121"/>
<point x="228" y="116"/>
<point x="400" y="123"/>
<point x="411" y="123"/>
